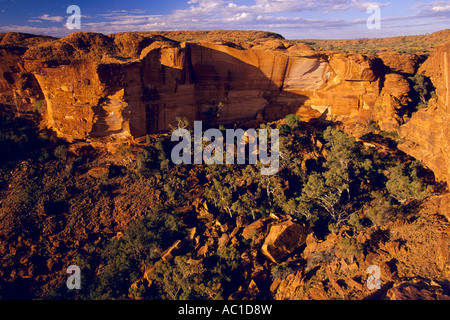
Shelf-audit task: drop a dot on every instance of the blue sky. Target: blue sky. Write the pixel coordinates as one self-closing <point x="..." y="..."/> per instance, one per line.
<point x="294" y="19"/>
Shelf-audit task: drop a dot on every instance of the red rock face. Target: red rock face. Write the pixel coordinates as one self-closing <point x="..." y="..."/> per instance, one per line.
<point x="428" y="131"/>
<point x="130" y="84"/>
<point x="88" y="86"/>
<point x="19" y="90"/>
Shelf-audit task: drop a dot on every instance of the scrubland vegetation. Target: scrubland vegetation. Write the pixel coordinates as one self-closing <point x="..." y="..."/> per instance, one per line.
<point x="116" y="225"/>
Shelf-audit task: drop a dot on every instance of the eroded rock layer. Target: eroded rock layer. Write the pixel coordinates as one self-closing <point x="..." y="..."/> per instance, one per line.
<point x="427" y="134"/>
<point x="89" y="85"/>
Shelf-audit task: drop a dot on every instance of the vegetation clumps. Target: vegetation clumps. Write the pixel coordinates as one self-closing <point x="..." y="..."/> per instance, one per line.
<point x="119" y="226"/>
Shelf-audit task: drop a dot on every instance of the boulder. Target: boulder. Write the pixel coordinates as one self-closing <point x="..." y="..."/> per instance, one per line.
<point x="417" y="289"/>
<point x="283" y="239"/>
<point x="253" y="229"/>
<point x="223" y="240"/>
<point x="98" y="172"/>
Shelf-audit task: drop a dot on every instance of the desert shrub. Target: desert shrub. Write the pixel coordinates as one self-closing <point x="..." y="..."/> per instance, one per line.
<point x="61" y="152"/>
<point x="293" y="121"/>
<point x="280" y="271"/>
<point x="355" y="221"/>
<point x="38" y="106"/>
<point x="350" y="248"/>
<point x="187" y="278"/>
<point x="123" y="258"/>
<point x="144" y="163"/>
<point x="321" y="257"/>
<point x="404" y="184"/>
<point x="284" y="129"/>
<point x="381" y="209"/>
<point x="178" y="279"/>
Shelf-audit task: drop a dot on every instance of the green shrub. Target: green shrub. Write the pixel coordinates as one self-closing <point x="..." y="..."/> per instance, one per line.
<point x="187" y="278"/>
<point x="381" y="209"/>
<point x="293" y="121"/>
<point x="61" y="152"/>
<point x="422" y="90"/>
<point x="350" y="248"/>
<point x="140" y="244"/>
<point x="38" y="106"/>
<point x="404" y="184"/>
<point x="284" y="129"/>
<point x="316" y="258"/>
<point x="281" y="272"/>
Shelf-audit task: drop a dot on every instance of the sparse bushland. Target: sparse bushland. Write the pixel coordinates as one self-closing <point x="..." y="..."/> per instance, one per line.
<point x="117" y="226"/>
<point x="420" y="44"/>
<point x="212" y="278"/>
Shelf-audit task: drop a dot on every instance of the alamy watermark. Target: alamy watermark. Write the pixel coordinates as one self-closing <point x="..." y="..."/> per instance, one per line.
<point x="74" y="280"/>
<point x="213" y="153"/>
<point x="374" y="279"/>
<point x="74" y="21"/>
<point x="374" y="21"/>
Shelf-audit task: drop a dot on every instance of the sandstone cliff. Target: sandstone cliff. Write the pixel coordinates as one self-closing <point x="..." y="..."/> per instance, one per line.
<point x="19" y="91"/>
<point x="90" y="85"/>
<point x="427" y="134"/>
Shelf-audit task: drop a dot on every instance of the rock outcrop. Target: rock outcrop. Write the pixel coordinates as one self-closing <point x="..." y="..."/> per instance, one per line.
<point x="417" y="289"/>
<point x="401" y="63"/>
<point x="392" y="99"/>
<point x="20" y="93"/>
<point x="427" y="134"/>
<point x="91" y="85"/>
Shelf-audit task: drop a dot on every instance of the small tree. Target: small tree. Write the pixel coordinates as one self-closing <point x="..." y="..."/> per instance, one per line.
<point x="182" y="123"/>
<point x="422" y="90"/>
<point x="293" y="121"/>
<point x="404" y="184"/>
<point x="317" y="191"/>
<point x="61" y="152"/>
<point x="221" y="195"/>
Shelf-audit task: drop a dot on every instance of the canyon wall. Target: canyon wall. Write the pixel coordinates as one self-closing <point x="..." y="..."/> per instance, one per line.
<point x="427" y="134"/>
<point x="88" y="86"/>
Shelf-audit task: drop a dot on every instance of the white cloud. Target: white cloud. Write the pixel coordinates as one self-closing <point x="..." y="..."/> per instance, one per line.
<point x="47" y="17"/>
<point x="441" y="8"/>
<point x="240" y="16"/>
<point x="431" y="8"/>
<point x="34" y="30"/>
